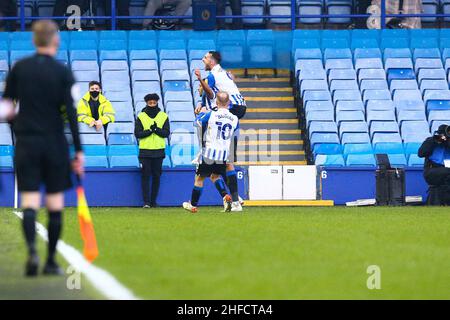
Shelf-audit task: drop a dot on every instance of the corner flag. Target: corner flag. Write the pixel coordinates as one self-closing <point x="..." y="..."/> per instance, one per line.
<point x="90" y="250"/>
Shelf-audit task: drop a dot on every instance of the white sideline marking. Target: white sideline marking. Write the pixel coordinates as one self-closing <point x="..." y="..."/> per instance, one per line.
<point x="102" y="280"/>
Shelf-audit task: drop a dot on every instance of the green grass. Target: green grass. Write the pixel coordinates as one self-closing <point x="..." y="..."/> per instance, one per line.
<point x="13" y="285"/>
<point x="274" y="253"/>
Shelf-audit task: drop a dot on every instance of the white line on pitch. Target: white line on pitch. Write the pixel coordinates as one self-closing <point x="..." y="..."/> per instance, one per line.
<point x="102" y="280"/>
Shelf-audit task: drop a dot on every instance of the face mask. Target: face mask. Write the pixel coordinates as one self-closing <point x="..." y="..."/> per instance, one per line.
<point x="94" y="94"/>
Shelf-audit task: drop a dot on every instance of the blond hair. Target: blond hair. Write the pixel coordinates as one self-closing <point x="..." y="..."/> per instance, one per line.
<point x="44" y="32"/>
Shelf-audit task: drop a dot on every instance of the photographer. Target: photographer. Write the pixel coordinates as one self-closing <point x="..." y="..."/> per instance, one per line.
<point x="436" y="151"/>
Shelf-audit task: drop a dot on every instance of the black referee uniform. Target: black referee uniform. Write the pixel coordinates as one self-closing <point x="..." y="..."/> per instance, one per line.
<point x="43" y="89"/>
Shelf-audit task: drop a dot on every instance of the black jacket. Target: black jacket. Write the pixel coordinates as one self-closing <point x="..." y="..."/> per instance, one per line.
<point x="140" y="133"/>
<point x="426" y="150"/>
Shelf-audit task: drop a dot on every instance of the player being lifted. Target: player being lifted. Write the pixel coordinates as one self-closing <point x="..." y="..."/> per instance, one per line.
<point x="218" y="128"/>
<point x="217" y="80"/>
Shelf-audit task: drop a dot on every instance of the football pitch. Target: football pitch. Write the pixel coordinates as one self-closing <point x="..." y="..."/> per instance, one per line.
<point x="263" y="253"/>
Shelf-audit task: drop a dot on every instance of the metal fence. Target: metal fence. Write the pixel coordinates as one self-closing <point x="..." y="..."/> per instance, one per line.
<point x="293" y="16"/>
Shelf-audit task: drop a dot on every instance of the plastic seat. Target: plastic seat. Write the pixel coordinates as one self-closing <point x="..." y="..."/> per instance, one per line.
<point x="436" y="95"/>
<point x="357" y="148"/>
<point x="433" y="85"/>
<point x="305" y="54"/>
<point x="329" y="160"/>
<point x="85" y="65"/>
<point x="427" y="63"/>
<point x="407" y="95"/>
<point x="96" y="161"/>
<point x="318" y="106"/>
<point x="173" y="65"/>
<point x="371" y="74"/>
<point x="349" y="106"/>
<point x="325" y="143"/>
<point x="124" y="161"/>
<point x="376" y="95"/>
<point x="347" y="95"/>
<point x="410" y="115"/>
<point x="316" y="85"/>
<point x="431" y="74"/>
<point x="368" y="63"/>
<point x="260" y="48"/>
<point x="394" y="43"/>
<point x="83" y="45"/>
<point x="6" y="156"/>
<point x="386" y="138"/>
<point x="398" y="63"/>
<point x="311" y="95"/>
<point x="360" y="160"/>
<point x="338" y="64"/>
<point x="334" y="43"/>
<point x="322" y="127"/>
<point x="309" y="7"/>
<point x="373" y="84"/>
<point x="343" y="85"/>
<point x="231" y="44"/>
<point x="424" y="43"/>
<point x="367" y="53"/>
<point x="143" y="55"/>
<point x="361" y="43"/>
<point x="311" y="64"/>
<point x="379" y="105"/>
<point x="118" y="65"/>
<point x="412" y="128"/>
<point x="353" y="127"/>
<point x="403" y="85"/>
<point x="121" y="139"/>
<point x="175" y="75"/>
<point x="319" y="116"/>
<point x="380" y="115"/>
<point x="332" y="53"/>
<point x="355" y="137"/>
<point x="89" y="138"/>
<point x="341" y="74"/>
<point x="415" y="161"/>
<point x="349" y="116"/>
<point x="397" y="160"/>
<point x="400" y="74"/>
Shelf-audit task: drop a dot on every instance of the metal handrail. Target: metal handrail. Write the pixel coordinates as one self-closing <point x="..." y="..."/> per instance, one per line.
<point x="293" y="16"/>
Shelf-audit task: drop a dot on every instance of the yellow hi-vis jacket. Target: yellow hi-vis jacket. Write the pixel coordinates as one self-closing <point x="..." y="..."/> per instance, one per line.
<point x="153" y="141"/>
<point x="106" y="111"/>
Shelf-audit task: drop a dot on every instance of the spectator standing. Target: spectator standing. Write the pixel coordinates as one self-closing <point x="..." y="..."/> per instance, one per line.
<point x="151" y="128"/>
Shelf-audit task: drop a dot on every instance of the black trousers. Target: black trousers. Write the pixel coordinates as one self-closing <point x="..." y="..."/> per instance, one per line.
<point x="236" y="9"/>
<point x="151" y="167"/>
<point x="437" y="176"/>
<point x="8" y="8"/>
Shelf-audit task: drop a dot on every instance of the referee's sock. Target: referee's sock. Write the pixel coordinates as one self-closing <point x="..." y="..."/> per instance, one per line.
<point x="54" y="231"/>
<point x="29" y="229"/>
<point x="232" y="185"/>
<point x="220" y="186"/>
<point x="196" y="193"/>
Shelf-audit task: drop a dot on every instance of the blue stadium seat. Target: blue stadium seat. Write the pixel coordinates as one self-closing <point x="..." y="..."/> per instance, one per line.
<point x="355" y="137"/>
<point x="408" y="84"/>
<point x="401" y="74"/>
<point x="113" y="35"/>
<point x="349" y="106"/>
<point x="381" y="117"/>
<point x="200" y="45"/>
<point x="415" y="161"/>
<point x="341" y="74"/>
<point x="319" y="116"/>
<point x="142" y="35"/>
<point x="371" y="74"/>
<point x="365" y="33"/>
<point x="357" y="148"/>
<point x="89" y="139"/>
<point x="143" y="65"/>
<point x="428" y="63"/>
<point x="121" y="139"/>
<point x="309" y="7"/>
<point x="397" y="160"/>
<point x="373" y="84"/>
<point x="433" y="85"/>
<point x="343" y="85"/>
<point x="143" y="55"/>
<point x="171" y="45"/>
<point x="332" y="53"/>
<point x="183" y="137"/>
<point x="329" y="160"/>
<point x="172" y="54"/>
<point x="338" y="64"/>
<point x="83" y="55"/>
<point x="6" y="156"/>
<point x="175" y="75"/>
<point x="409" y="105"/>
<point x="368" y="63"/>
<point x="318" y="106"/>
<point x="142" y="45"/>
<point x="96" y="161"/>
<point x="360" y="160"/>
<point x="83" y="45"/>
<point x="114" y="65"/>
<point x="335" y="43"/>
<point x="367" y="53"/>
<point x="364" y="43"/>
<point x="84" y="36"/>
<point x="21" y="45"/>
<point x="305" y="44"/>
<point x="313" y="85"/>
<point x="322" y="127"/>
<point x="313" y="53"/>
<point x="113" y="55"/>
<point x="86" y="76"/>
<point x="397" y="53"/>
<point x="424" y="43"/>
<point x="231" y="44"/>
<point x="353" y="127"/>
<point x="260" y="48"/>
<point x="18" y="55"/>
<point x="176" y="86"/>
<point x="431" y="74"/>
<point x="386" y="138"/>
<point x="394" y="43"/>
<point x="379" y="105"/>
<point x="349" y="116"/>
<point x="346" y="95"/>
<point x="310" y="65"/>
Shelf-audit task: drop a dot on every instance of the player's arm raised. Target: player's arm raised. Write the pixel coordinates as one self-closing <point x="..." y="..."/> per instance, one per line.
<point x="209" y="92"/>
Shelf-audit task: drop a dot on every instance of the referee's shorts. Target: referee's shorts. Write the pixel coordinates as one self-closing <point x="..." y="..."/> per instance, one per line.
<point x="42" y="160"/>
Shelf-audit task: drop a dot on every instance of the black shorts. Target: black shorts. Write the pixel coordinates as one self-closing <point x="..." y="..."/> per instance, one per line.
<point x="238" y="110"/>
<point x="206" y="169"/>
<point x="42" y="161"/>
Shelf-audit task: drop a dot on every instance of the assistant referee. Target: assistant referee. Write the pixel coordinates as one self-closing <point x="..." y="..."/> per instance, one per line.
<point x="43" y="88"/>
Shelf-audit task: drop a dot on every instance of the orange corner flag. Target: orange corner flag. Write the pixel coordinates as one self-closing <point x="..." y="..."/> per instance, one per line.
<point x="90" y="250"/>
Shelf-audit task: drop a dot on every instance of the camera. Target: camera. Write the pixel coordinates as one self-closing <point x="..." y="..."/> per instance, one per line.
<point x="442" y="133"/>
